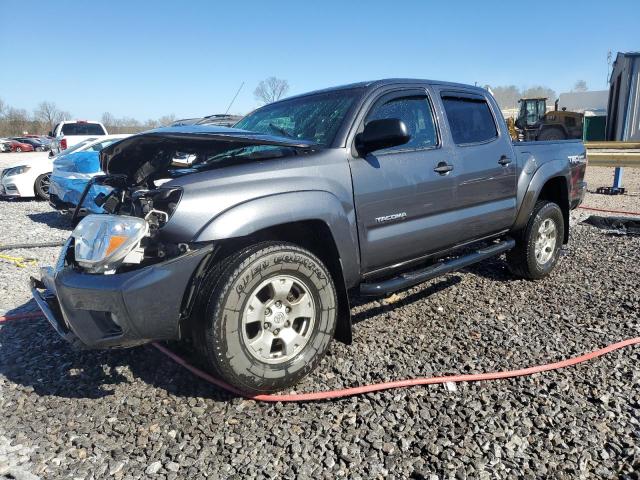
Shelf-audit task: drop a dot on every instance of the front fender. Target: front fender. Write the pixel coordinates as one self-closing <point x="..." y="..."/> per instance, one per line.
<point x="547" y="171"/>
<point x="269" y="211"/>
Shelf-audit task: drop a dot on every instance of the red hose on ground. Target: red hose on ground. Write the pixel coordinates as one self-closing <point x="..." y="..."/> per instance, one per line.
<point x="20" y="316"/>
<point x="376" y="387"/>
<point x="609" y="211"/>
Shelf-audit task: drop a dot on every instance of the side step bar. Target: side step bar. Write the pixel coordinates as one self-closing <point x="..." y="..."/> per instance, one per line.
<point x="415" y="277"/>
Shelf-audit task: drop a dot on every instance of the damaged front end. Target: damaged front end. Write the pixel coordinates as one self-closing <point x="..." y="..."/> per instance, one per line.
<point x="141" y="172"/>
<point x="119" y="282"/>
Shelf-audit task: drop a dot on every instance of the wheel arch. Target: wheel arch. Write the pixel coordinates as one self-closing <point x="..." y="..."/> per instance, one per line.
<point x="314" y="220"/>
<point x="550" y="183"/>
<point x="314" y="235"/>
<point x="282" y="213"/>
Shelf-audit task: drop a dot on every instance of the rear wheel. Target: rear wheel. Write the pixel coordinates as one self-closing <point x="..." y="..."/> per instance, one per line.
<point x="268" y="316"/>
<point x="41" y="187"/>
<point x="538" y="248"/>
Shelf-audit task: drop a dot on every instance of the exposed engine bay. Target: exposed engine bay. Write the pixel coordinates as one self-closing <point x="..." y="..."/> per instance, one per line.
<point x="137" y="169"/>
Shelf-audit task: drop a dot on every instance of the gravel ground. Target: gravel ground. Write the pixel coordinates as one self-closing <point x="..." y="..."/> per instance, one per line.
<point x="134" y="414"/>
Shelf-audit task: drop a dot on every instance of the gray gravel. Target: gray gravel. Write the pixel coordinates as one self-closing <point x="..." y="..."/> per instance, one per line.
<point x="134" y="414"/>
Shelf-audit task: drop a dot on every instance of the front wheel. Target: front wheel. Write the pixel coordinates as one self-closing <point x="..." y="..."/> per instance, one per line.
<point x="19" y="149"/>
<point x="538" y="248"/>
<point x="268" y="316"/>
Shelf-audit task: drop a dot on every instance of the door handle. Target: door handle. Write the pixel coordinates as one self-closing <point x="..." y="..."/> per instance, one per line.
<point x="443" y="168"/>
<point x="504" y="160"/>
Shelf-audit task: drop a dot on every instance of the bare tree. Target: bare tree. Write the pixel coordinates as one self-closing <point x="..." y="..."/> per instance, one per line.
<point x="3" y="107"/>
<point x="16" y="121"/>
<point x="580" y="86"/>
<point x="48" y="115"/>
<point x="271" y="89"/>
<point x="166" y="120"/>
<point x="132" y="125"/>
<point x="150" y="124"/>
<point x="507" y="96"/>
<point x="108" y="121"/>
<point x="540" y="91"/>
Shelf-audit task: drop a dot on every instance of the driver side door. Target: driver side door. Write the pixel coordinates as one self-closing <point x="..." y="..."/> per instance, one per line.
<point x="403" y="206"/>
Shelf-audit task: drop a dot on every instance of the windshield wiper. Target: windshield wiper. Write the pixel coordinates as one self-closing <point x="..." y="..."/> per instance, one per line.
<point x="280" y="130"/>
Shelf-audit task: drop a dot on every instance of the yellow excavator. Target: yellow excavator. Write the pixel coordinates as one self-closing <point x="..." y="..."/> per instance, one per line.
<point x="535" y="123"/>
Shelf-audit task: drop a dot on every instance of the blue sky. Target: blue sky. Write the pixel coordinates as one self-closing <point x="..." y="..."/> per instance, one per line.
<point x="147" y="59"/>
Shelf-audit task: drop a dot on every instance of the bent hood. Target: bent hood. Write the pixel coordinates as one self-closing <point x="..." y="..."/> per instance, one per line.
<point x="149" y="154"/>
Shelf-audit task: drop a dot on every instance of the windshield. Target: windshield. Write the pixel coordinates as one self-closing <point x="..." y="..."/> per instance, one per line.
<point x="315" y="118"/>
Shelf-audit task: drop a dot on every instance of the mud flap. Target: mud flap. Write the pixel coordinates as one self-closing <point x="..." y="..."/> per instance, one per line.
<point x="343" y="324"/>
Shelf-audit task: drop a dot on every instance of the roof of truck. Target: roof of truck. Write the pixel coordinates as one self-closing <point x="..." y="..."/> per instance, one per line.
<point x="373" y="84"/>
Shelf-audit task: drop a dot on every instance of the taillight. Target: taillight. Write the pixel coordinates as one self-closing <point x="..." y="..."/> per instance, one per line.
<point x="63" y="144"/>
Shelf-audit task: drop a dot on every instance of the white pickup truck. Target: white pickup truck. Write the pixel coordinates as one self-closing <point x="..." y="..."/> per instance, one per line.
<point x="68" y="133"/>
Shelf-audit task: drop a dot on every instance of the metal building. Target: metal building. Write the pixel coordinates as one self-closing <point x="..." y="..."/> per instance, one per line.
<point x="623" y="113"/>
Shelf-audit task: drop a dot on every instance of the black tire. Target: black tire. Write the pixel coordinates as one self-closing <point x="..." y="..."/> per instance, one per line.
<point x="522" y="260"/>
<point x="223" y="339"/>
<point x="552" y="134"/>
<point x="41" y="187"/>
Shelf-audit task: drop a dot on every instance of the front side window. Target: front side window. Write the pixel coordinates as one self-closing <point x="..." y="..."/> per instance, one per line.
<point x="470" y="120"/>
<point x="415" y="113"/>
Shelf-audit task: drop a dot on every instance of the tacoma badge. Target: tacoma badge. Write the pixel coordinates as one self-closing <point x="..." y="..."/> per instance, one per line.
<point x="393" y="216"/>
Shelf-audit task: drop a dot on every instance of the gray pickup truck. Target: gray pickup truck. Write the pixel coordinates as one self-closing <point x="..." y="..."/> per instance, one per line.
<point x="251" y="251"/>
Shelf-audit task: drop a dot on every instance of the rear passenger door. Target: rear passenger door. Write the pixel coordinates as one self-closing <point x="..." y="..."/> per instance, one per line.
<point x="485" y="167"/>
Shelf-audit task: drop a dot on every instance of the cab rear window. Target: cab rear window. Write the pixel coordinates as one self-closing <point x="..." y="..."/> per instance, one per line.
<point x="83" y="129"/>
<point x="470" y="119"/>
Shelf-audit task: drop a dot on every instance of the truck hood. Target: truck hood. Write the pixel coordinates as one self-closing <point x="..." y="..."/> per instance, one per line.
<point x="151" y="154"/>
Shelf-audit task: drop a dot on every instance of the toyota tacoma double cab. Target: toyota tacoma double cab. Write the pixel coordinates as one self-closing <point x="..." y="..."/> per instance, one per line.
<point x="252" y="251"/>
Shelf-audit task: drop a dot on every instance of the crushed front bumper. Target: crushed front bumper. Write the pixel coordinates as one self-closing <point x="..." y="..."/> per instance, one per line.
<point x="118" y="310"/>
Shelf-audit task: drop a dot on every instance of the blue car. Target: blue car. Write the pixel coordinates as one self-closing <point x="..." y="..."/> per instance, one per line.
<point x="71" y="173"/>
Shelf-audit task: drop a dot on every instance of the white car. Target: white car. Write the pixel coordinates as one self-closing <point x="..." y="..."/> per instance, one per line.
<point x="5" y="145"/>
<point x="71" y="132"/>
<point x="30" y="178"/>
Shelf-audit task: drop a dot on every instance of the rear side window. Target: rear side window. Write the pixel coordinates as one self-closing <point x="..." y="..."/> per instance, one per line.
<point x="470" y="120"/>
<point x="416" y="114"/>
<point x="82" y="129"/>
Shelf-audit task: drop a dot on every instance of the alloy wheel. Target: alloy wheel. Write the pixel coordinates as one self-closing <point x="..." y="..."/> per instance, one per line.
<point x="278" y="319"/>
<point x="545" y="242"/>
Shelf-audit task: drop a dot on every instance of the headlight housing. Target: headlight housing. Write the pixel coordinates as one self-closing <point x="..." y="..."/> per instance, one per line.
<point x="17" y="170"/>
<point x="103" y="241"/>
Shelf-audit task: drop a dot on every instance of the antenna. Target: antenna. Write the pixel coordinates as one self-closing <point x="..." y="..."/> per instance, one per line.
<point x="234" y="98"/>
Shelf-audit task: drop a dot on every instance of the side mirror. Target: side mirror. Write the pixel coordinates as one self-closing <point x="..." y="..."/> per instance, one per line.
<point x="379" y="134"/>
